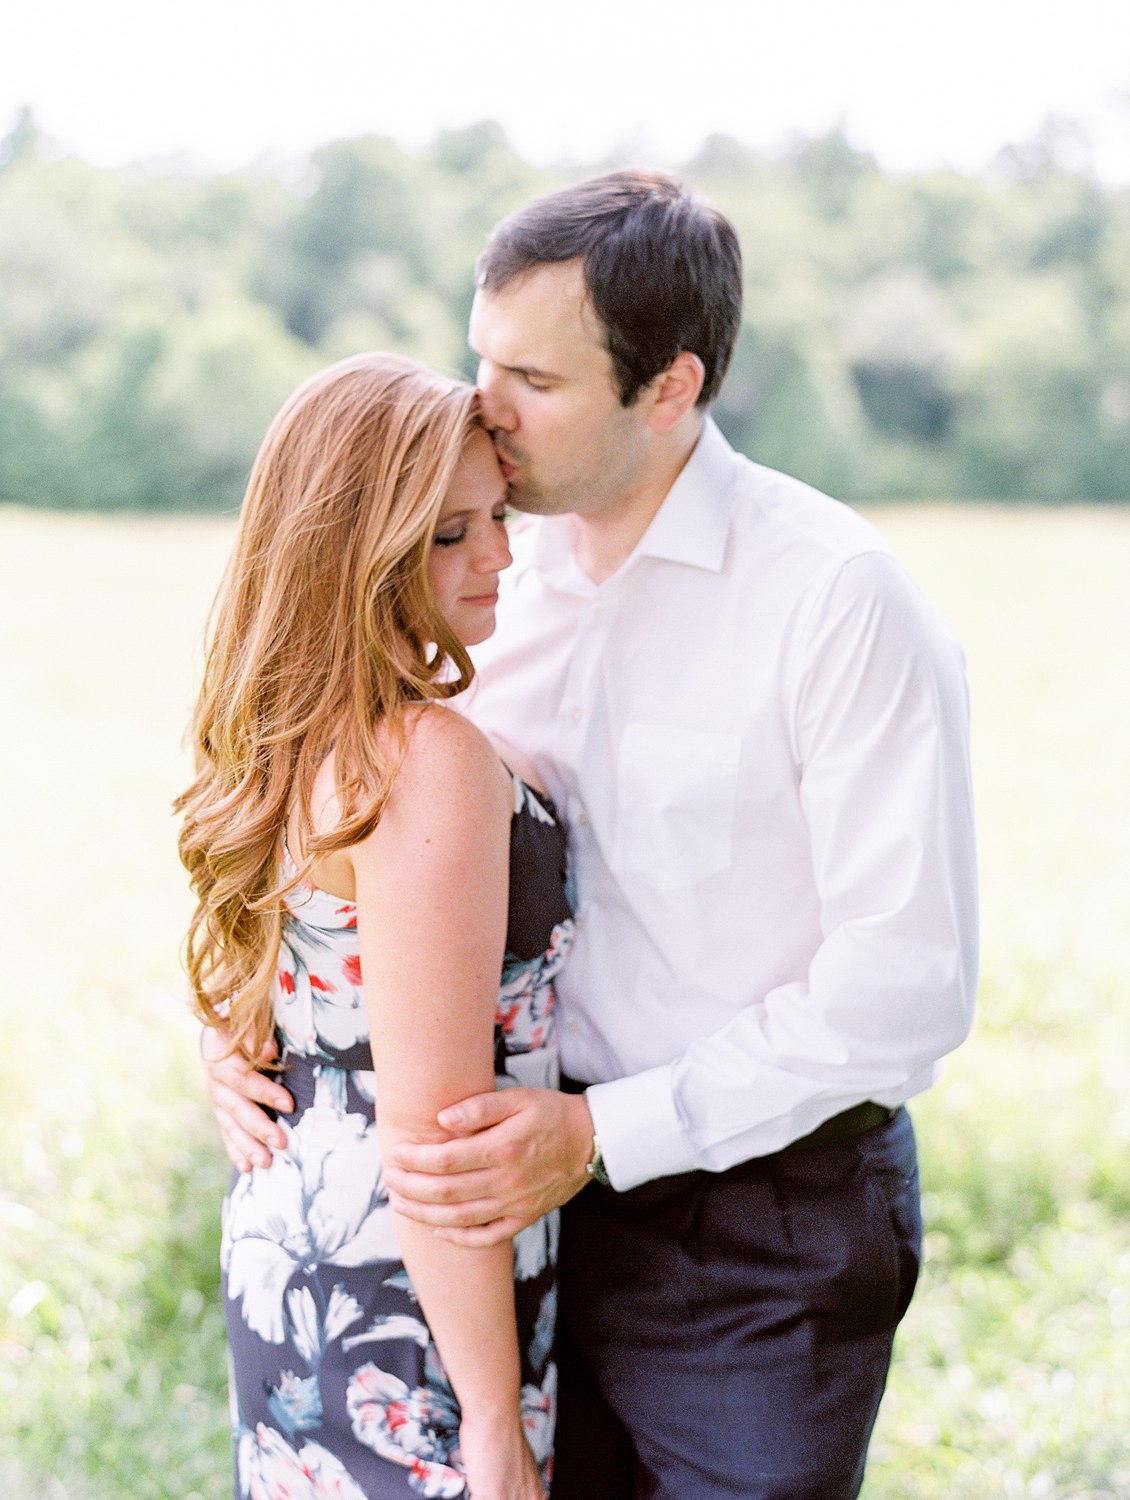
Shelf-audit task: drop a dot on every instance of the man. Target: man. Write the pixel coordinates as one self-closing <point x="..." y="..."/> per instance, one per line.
<point x="756" y="728"/>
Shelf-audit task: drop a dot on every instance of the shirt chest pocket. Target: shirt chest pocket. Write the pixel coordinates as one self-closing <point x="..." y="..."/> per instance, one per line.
<point x="676" y="795"/>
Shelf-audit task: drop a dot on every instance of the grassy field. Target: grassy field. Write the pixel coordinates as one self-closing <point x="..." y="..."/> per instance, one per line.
<point x="1013" y="1371"/>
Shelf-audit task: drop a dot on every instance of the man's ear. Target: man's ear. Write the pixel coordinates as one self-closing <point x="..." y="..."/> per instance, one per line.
<point x="675" y="391"/>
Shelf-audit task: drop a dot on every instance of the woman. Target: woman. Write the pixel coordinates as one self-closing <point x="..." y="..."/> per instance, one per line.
<point x="344" y="822"/>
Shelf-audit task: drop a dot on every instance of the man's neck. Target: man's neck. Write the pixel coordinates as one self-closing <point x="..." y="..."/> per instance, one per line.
<point x="603" y="541"/>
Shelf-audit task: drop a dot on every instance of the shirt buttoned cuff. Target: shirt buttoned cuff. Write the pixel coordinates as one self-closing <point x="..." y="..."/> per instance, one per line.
<point x="638" y="1128"/>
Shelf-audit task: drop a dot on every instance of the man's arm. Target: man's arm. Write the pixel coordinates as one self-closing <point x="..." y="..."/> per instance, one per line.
<point x="879" y="720"/>
<point x="515" y="1155"/>
<point x="236" y="1092"/>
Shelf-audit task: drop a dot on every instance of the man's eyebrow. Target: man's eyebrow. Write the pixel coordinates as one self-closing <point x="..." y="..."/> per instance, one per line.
<point x="534" y="370"/>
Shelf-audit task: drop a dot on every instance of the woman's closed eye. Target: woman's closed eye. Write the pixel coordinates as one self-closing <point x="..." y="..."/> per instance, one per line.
<point x="451" y="536"/>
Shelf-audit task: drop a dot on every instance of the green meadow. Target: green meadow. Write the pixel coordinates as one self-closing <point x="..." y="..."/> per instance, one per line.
<point x="1013" y="1366"/>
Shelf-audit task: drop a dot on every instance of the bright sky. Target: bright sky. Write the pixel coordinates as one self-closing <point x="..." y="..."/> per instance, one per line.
<point x="224" y="82"/>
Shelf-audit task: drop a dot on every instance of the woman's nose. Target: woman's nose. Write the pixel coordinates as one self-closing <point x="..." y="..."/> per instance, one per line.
<point x="494" y="555"/>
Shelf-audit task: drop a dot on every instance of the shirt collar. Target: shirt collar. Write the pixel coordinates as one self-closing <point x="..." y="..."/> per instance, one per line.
<point x="691" y="526"/>
<point x="551" y="555"/>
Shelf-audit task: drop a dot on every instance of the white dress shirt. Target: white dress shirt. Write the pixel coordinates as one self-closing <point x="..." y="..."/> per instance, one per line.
<point x="757" y="732"/>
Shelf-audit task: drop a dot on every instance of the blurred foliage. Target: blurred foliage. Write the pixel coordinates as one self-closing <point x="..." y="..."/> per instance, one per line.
<point x="931" y="335"/>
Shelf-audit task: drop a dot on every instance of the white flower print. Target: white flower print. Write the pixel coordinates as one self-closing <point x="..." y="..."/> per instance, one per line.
<point x="535" y="1246"/>
<point x="542" y="1340"/>
<point x="526" y="797"/>
<point x="319" y="1202"/>
<point x="305" y="1332"/>
<point x="341" y="1312"/>
<point x="539" y="1412"/>
<point x="270" y="1469"/>
<point x="390" y="1326"/>
<point x="530" y="1070"/>
<point x="318" y="1002"/>
<point x="418" y="1429"/>
<point x="317" y="1292"/>
<point x="365" y="1082"/>
<point x="308" y="1334"/>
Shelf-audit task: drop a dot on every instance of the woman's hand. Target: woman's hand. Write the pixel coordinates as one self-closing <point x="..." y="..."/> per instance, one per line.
<point x="498" y="1462"/>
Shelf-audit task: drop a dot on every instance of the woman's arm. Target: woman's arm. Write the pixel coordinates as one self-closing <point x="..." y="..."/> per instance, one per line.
<point x="431" y="888"/>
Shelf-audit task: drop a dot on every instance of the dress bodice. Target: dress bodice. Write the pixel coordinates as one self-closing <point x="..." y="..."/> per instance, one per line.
<point x="334" y="1370"/>
<point x="318" y="998"/>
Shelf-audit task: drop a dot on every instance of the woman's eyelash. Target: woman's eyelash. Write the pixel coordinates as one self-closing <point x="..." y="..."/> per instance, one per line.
<point x="499" y="519"/>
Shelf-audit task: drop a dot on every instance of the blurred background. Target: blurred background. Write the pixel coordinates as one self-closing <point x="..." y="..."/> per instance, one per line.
<point x="197" y="209"/>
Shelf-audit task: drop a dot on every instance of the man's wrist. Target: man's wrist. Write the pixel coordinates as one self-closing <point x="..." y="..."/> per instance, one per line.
<point x="585" y="1138"/>
<point x="596" y="1169"/>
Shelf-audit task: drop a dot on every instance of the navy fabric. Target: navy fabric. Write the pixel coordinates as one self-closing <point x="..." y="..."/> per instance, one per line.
<point x="338" y="1388"/>
<point x="729" y="1335"/>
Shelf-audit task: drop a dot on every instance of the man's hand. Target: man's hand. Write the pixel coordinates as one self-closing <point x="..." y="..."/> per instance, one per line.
<point x="236" y="1091"/>
<point x="515" y="1154"/>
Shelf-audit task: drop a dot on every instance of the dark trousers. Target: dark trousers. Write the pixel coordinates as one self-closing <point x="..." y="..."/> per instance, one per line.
<point x="729" y="1334"/>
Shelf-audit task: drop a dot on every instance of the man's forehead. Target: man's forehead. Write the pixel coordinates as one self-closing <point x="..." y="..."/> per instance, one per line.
<point x="546" y="307"/>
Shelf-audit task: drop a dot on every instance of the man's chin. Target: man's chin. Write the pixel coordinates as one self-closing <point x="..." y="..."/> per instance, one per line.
<point x="529" y="502"/>
<point x="534" y="502"/>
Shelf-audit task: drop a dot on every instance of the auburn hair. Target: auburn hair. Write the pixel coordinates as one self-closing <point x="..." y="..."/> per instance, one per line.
<point x="323" y="630"/>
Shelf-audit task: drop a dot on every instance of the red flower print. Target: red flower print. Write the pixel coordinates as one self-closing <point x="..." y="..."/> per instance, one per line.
<point x="286" y="981"/>
<point x="351" y="968"/>
<point x="321" y="984"/>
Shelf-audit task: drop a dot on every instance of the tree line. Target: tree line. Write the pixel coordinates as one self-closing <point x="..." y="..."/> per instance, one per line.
<point x="930" y="335"/>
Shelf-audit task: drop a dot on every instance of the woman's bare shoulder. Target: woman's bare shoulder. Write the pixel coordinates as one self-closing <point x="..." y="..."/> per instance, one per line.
<point x="517" y="761"/>
<point x="447" y="816"/>
<point x="446" y="758"/>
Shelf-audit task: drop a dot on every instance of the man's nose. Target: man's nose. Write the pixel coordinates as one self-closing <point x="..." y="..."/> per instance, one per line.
<point x="497" y="411"/>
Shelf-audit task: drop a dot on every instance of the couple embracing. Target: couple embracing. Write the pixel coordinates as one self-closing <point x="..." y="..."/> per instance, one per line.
<point x="618" y="951"/>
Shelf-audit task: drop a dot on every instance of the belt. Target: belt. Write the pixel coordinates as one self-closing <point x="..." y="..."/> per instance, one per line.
<point x="842" y="1127"/>
<point x="857" y="1120"/>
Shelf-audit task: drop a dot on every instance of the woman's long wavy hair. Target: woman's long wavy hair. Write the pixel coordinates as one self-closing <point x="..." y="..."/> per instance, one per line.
<point x="323" y="629"/>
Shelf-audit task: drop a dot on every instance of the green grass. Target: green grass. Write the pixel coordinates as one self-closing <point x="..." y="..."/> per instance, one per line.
<point x="1013" y="1366"/>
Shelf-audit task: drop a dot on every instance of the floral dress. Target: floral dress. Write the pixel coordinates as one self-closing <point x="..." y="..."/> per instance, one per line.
<point x="337" y="1387"/>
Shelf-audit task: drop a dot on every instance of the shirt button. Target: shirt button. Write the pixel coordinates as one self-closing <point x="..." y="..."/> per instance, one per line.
<point x="575" y="715"/>
<point x="573" y="1027"/>
<point x="583" y="819"/>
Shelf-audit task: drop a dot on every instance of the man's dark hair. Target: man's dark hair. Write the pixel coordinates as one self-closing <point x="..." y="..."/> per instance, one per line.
<point x="662" y="268"/>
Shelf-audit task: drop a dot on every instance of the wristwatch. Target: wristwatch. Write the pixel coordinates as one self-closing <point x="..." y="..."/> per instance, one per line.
<point x="596" y="1168"/>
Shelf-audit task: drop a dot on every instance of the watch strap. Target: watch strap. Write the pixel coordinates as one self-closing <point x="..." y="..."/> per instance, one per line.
<point x="596" y="1168"/>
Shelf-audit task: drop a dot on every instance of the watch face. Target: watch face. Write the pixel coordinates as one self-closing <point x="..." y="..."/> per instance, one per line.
<point x="598" y="1170"/>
